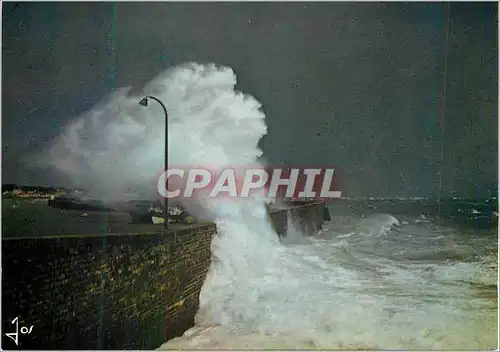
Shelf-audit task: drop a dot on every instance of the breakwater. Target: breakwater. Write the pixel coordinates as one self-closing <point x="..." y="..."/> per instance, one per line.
<point x="113" y="291"/>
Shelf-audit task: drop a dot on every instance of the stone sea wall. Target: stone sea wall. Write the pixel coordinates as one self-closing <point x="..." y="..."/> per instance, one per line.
<point x="112" y="291"/>
<point x="308" y="218"/>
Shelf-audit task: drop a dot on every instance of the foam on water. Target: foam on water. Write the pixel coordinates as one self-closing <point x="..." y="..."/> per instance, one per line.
<point x="334" y="291"/>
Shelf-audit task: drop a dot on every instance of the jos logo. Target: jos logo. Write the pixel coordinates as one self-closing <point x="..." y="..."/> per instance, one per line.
<point x="25" y="330"/>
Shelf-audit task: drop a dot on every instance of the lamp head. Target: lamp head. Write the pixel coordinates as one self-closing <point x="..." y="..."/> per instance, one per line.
<point x="144" y="101"/>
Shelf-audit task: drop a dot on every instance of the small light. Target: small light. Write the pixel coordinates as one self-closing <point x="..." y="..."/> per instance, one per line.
<point x="144" y="101"/>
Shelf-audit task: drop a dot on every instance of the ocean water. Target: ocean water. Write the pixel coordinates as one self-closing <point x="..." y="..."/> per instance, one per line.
<point x="370" y="280"/>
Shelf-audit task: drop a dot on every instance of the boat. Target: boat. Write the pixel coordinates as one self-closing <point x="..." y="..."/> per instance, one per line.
<point x="157" y="220"/>
<point x="175" y="214"/>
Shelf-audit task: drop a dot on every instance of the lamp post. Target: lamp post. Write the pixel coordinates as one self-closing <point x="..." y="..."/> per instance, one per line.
<point x="144" y="102"/>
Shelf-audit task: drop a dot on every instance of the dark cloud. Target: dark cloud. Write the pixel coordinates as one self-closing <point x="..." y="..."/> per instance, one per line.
<point x="356" y="85"/>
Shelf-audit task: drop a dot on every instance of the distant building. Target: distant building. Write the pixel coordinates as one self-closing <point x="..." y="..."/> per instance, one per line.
<point x="60" y="192"/>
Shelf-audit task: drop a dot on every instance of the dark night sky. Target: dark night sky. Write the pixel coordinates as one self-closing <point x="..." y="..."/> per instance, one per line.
<point x="354" y="85"/>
